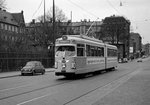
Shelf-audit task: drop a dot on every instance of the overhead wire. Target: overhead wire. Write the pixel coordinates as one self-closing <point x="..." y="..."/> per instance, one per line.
<point x="83" y="9"/>
<point x="113" y="7"/>
<point x="92" y="13"/>
<point x="38" y="8"/>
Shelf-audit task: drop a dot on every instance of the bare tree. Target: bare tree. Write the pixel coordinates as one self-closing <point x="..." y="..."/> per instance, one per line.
<point x="41" y="34"/>
<point x="3" y="4"/>
<point x="59" y="15"/>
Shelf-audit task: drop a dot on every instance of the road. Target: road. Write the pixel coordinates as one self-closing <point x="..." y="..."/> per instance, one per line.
<point x="129" y="85"/>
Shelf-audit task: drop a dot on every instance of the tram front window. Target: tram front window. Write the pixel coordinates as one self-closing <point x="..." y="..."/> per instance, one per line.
<point x="65" y="50"/>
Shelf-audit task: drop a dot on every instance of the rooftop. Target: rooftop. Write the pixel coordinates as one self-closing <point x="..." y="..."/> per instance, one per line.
<point x="11" y="18"/>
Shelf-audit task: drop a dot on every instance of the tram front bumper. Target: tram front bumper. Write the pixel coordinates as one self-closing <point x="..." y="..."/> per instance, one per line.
<point x="64" y="73"/>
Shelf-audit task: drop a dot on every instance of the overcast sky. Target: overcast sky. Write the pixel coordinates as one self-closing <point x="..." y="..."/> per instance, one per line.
<point x="137" y="11"/>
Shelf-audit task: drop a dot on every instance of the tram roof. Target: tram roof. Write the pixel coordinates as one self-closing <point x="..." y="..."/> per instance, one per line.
<point x="86" y="39"/>
<point x="81" y="37"/>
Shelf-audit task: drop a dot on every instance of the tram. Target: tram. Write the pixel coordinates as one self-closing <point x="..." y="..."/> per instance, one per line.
<point x="79" y="54"/>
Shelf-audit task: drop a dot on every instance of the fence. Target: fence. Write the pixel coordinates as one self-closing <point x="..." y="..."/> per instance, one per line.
<point x="12" y="61"/>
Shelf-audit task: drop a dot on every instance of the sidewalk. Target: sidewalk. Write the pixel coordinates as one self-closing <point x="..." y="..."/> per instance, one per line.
<point x="17" y="73"/>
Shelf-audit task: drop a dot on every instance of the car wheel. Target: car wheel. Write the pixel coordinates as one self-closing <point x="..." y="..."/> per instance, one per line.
<point x="33" y="72"/>
<point x="22" y="74"/>
<point x="43" y="72"/>
<point x="114" y="68"/>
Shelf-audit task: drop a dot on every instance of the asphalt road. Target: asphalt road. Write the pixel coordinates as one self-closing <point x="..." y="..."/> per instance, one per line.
<point x="129" y="85"/>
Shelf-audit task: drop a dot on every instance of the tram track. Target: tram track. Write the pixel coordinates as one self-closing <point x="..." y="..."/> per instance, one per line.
<point x="102" y="89"/>
<point x="74" y="100"/>
<point x="66" y="82"/>
<point x="33" y="90"/>
<point x="53" y="85"/>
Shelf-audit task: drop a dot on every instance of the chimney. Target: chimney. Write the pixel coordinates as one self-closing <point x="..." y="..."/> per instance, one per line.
<point x="22" y="11"/>
<point x="33" y="21"/>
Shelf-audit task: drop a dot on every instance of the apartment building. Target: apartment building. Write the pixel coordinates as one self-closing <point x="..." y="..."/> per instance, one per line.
<point x="12" y="29"/>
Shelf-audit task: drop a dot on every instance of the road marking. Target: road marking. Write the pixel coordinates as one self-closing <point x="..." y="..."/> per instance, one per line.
<point x="99" y="93"/>
<point x="14" y="88"/>
<point x="34" y="99"/>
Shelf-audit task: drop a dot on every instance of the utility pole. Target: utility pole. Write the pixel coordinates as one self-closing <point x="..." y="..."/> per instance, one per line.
<point x="44" y="11"/>
<point x="54" y="31"/>
<point x="44" y="27"/>
<point x="71" y="16"/>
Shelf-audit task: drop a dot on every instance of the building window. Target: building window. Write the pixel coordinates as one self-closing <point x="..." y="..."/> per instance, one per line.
<point x="16" y="29"/>
<point x="5" y="26"/>
<point x="6" y="38"/>
<point x="13" y="38"/>
<point x="13" y="28"/>
<point x="9" y="27"/>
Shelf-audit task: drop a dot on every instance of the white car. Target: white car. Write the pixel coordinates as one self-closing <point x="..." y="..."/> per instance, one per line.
<point x="125" y="60"/>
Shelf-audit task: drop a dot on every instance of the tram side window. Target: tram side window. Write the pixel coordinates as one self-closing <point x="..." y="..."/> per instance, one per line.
<point x="111" y="52"/>
<point x="94" y="51"/>
<point x="80" y="50"/>
<point x="100" y="51"/>
<point x="88" y="50"/>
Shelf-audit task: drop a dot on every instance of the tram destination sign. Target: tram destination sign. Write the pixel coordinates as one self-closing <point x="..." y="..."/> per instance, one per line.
<point x="64" y="41"/>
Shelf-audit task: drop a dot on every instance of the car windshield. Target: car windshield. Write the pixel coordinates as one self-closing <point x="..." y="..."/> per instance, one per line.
<point x="31" y="64"/>
<point x="65" y="51"/>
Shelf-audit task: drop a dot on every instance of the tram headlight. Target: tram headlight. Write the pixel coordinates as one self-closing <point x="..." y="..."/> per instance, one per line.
<point x="64" y="65"/>
<point x="56" y="65"/>
<point x="73" y="65"/>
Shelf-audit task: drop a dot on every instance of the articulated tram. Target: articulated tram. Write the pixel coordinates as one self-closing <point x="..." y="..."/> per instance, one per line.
<point x="79" y="54"/>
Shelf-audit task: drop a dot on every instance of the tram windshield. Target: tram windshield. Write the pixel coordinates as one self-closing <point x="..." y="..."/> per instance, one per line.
<point x="65" y="50"/>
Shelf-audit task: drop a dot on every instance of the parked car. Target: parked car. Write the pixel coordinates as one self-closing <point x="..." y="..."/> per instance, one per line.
<point x="143" y="56"/>
<point x="33" y="67"/>
<point x="125" y="60"/>
<point x="120" y="61"/>
<point x="139" y="60"/>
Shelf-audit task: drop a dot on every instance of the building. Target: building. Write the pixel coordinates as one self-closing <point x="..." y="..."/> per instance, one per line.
<point x="16" y="48"/>
<point x="116" y="31"/>
<point x="135" y="45"/>
<point x="12" y="30"/>
<point x="91" y="28"/>
<point x="146" y="49"/>
<point x="113" y="30"/>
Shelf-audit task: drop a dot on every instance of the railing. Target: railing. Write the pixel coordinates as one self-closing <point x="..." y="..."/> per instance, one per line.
<point x="13" y="61"/>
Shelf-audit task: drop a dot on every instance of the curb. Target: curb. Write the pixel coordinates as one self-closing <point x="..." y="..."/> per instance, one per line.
<point x="10" y="76"/>
<point x="18" y="74"/>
